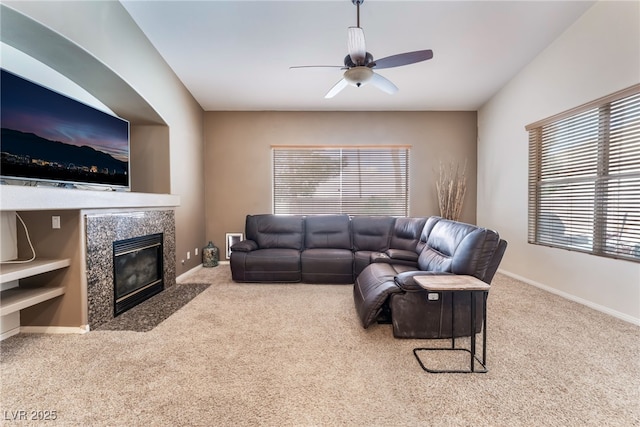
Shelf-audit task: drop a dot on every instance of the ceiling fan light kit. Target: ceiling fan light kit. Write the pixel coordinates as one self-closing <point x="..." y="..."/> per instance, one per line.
<point x="358" y="76"/>
<point x="359" y="63"/>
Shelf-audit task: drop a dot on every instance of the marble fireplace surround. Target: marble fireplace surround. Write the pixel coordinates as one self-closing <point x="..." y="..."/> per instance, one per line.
<point x="102" y="229"/>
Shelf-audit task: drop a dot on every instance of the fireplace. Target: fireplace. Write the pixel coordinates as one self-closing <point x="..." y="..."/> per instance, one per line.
<point x="137" y="271"/>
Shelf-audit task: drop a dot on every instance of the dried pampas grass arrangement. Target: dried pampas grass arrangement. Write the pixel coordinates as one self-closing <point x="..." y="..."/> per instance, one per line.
<point x="451" y="186"/>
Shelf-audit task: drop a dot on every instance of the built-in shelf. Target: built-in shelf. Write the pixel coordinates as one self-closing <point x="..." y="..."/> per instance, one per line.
<point x="10" y="272"/>
<point x="15" y="299"/>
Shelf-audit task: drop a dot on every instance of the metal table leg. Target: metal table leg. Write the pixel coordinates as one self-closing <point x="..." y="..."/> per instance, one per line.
<point x="472" y="351"/>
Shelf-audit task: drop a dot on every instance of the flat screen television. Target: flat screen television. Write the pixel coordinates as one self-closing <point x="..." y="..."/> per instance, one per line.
<point x="50" y="138"/>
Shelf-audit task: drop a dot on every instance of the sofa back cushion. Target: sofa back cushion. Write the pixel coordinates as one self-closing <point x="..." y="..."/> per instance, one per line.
<point x="327" y="231"/>
<point x="406" y="233"/>
<point x="371" y="233"/>
<point x="426" y="230"/>
<point x="495" y="261"/>
<point x="276" y="231"/>
<point x="458" y="248"/>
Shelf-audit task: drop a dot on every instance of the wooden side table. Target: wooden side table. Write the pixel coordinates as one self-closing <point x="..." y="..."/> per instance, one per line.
<point x="455" y="284"/>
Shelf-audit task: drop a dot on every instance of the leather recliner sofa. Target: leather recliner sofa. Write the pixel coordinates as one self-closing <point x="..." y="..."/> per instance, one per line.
<point x="320" y="248"/>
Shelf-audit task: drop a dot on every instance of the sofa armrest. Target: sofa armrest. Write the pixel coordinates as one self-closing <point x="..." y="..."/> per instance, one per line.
<point x="244" y="246"/>
<point x="393" y="256"/>
<point x="406" y="283"/>
<point x="402" y="255"/>
<point x="380" y="257"/>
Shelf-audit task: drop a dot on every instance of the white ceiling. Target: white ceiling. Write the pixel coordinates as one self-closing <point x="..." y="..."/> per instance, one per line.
<point x="235" y="55"/>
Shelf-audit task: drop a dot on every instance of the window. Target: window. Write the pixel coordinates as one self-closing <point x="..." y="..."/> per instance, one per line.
<point x="352" y="180"/>
<point x="584" y="178"/>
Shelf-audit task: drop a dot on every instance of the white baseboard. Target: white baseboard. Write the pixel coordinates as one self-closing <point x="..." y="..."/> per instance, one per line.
<point x="590" y="304"/>
<point x="182" y="276"/>
<point x="55" y="329"/>
<point x="9" y="333"/>
<point x="9" y="324"/>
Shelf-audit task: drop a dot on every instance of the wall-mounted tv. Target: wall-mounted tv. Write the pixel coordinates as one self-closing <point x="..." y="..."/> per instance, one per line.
<point x="51" y="138"/>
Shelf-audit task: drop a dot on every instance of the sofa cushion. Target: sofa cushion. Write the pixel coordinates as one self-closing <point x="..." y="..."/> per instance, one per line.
<point x="459" y="248"/>
<point x="372" y="233"/>
<point x="324" y="265"/>
<point x="266" y="265"/>
<point x="276" y="231"/>
<point x="327" y="231"/>
<point x="406" y="233"/>
<point x="442" y="243"/>
<point x="371" y="290"/>
<point x="495" y="261"/>
<point x="475" y="253"/>
<point x="426" y="230"/>
<point x="361" y="259"/>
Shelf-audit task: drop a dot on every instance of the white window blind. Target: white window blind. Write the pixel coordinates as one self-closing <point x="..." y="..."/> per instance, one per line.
<point x="584" y="178"/>
<point x="351" y="180"/>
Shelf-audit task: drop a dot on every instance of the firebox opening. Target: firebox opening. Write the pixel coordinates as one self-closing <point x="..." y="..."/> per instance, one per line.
<point x="137" y="271"/>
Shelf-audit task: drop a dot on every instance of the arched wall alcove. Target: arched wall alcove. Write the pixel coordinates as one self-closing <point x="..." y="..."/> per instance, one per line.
<point x="149" y="133"/>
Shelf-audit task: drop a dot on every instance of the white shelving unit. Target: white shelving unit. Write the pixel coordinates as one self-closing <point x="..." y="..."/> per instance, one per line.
<point x="10" y="272"/>
<point x="15" y="299"/>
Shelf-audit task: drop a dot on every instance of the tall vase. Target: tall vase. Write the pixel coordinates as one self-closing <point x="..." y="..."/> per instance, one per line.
<point x="210" y="255"/>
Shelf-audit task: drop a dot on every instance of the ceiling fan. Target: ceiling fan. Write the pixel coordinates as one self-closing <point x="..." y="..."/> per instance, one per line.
<point x="359" y="64"/>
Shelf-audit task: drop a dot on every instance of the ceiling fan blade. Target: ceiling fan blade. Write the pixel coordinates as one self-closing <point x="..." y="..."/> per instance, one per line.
<point x="403" y="59"/>
<point x="383" y="84"/>
<point x="337" y="88"/>
<point x="356" y="44"/>
<point x="316" y="66"/>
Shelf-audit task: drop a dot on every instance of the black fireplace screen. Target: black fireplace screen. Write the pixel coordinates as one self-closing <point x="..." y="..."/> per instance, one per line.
<point x="137" y="270"/>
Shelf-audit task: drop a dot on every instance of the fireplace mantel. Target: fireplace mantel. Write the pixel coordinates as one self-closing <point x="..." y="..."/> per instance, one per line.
<point x="24" y="198"/>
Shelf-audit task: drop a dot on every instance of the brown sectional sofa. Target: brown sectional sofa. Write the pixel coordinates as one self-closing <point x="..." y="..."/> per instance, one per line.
<point x="320" y="248"/>
<point x="380" y="256"/>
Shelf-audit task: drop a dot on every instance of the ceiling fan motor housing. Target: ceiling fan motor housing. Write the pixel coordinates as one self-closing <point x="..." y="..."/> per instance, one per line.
<point x="368" y="60"/>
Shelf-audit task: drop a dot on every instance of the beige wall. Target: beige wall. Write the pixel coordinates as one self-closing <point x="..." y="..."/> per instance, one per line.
<point x="150" y="160"/>
<point x="102" y="47"/>
<point x="238" y="174"/>
<point x="598" y="55"/>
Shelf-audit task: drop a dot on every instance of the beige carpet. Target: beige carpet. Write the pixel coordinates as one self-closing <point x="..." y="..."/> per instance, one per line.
<point x="295" y="355"/>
